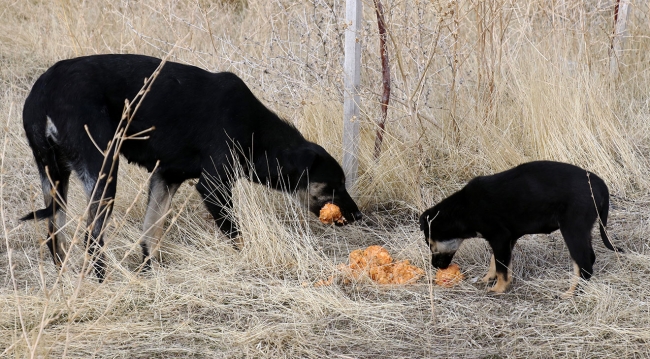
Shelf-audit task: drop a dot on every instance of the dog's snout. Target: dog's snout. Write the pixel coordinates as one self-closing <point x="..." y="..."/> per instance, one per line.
<point x="441" y="261"/>
<point x="357" y="216"/>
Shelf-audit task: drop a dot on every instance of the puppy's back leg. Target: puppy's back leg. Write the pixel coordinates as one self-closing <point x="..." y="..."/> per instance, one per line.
<point x="577" y="237"/>
<point x="502" y="254"/>
<point x="575" y="280"/>
<point x="161" y="193"/>
<point x="492" y="271"/>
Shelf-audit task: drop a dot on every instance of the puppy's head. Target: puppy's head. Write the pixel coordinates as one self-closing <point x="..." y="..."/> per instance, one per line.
<point x="442" y="235"/>
<point x="322" y="182"/>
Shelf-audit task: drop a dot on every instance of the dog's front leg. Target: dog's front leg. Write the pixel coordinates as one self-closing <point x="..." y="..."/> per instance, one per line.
<point x="217" y="197"/>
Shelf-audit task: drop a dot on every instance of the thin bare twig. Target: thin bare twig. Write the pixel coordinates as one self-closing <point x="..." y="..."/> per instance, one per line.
<point x="385" y="71"/>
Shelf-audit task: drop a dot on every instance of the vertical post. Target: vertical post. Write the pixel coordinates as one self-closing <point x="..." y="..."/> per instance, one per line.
<point x="352" y="67"/>
<point x="621" y="12"/>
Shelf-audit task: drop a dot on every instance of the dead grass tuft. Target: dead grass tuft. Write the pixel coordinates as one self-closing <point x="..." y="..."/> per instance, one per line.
<point x="478" y="87"/>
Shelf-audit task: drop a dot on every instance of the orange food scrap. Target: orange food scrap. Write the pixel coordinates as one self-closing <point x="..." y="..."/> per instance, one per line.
<point x="450" y="276"/>
<point x="331" y="213"/>
<point x="372" y="256"/>
<point x="404" y="272"/>
<point x="376" y="263"/>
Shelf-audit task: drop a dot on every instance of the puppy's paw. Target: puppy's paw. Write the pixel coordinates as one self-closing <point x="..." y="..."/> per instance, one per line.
<point x="489" y="278"/>
<point x="501" y="285"/>
<point x="495" y="290"/>
<point x="238" y="243"/>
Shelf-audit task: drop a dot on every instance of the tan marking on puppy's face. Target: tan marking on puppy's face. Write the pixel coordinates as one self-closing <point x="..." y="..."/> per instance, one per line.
<point x="444" y="247"/>
<point x="442" y="252"/>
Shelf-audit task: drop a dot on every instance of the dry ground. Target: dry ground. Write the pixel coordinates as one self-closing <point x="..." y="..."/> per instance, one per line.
<point x="478" y="86"/>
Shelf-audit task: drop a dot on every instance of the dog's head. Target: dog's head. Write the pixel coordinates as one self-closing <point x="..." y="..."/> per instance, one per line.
<point x="442" y="234"/>
<point x="320" y="180"/>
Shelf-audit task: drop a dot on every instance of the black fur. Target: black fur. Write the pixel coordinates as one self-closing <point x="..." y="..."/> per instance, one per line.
<point x="535" y="197"/>
<point x="198" y="116"/>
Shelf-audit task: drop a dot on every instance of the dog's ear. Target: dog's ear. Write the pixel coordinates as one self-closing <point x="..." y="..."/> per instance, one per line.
<point x="298" y="160"/>
<point x="291" y="162"/>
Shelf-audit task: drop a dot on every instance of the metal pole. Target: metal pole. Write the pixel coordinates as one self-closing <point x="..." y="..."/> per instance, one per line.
<point x="621" y="12"/>
<point x="352" y="67"/>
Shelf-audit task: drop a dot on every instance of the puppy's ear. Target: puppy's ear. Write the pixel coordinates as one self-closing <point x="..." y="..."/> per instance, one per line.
<point x="426" y="218"/>
<point x="424" y="225"/>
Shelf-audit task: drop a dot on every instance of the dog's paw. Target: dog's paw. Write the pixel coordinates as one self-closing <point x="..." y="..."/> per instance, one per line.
<point x="488" y="278"/>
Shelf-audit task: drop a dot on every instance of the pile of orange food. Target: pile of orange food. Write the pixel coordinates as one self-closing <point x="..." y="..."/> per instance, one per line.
<point x="376" y="263"/>
<point x="449" y="276"/>
<point x="331" y="213"/>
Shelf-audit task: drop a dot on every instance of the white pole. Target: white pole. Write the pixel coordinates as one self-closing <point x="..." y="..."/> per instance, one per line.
<point x="352" y="67"/>
<point x="620" y="32"/>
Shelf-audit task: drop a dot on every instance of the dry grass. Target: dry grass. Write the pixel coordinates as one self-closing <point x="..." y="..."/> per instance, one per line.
<point x="478" y="86"/>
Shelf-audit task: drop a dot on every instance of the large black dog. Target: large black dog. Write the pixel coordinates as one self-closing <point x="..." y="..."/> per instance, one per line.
<point x="535" y="197"/>
<point x="200" y="125"/>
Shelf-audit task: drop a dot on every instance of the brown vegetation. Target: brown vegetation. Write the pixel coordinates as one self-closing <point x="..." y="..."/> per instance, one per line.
<point x="476" y="87"/>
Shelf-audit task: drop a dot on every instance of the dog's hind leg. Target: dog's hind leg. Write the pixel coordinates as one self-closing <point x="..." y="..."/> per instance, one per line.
<point x="574" y="282"/>
<point x="54" y="172"/>
<point x="502" y="255"/>
<point x="577" y="237"/>
<point x="55" y="191"/>
<point x="492" y="271"/>
<point x="160" y="199"/>
<point x="55" y="176"/>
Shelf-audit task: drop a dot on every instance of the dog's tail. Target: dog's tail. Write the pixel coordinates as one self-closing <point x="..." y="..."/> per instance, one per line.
<point x="44" y="213"/>
<point x="602" y="223"/>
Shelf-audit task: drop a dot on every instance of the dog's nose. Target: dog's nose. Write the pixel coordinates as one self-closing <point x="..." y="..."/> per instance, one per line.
<point x="441" y="261"/>
<point x="357" y="216"/>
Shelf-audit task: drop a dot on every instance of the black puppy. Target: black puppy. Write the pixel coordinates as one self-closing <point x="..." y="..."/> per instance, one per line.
<point x="535" y="197"/>
<point x="200" y="125"/>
